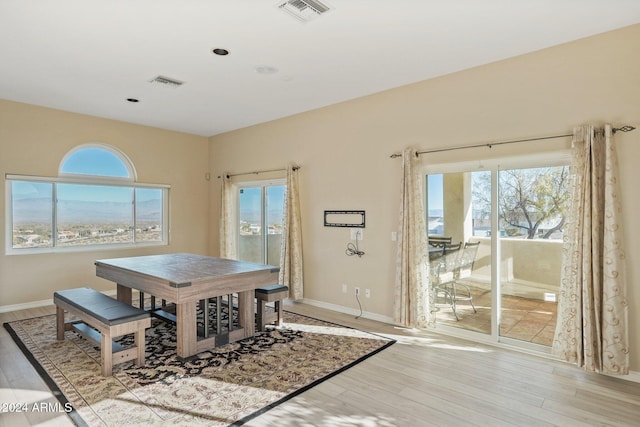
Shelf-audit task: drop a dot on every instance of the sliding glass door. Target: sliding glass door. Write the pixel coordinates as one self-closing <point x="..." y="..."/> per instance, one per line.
<point x="260" y="221"/>
<point x="460" y="212"/>
<point x="504" y="285"/>
<point x="532" y="207"/>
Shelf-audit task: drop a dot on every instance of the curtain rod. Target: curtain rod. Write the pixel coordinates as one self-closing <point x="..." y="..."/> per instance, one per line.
<point x="229" y="175"/>
<point x="491" y="144"/>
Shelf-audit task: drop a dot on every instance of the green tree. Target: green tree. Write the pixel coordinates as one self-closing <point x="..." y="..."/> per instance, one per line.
<point x="528" y="199"/>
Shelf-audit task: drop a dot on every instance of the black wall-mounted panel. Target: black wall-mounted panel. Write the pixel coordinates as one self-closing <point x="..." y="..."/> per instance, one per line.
<point x="352" y="219"/>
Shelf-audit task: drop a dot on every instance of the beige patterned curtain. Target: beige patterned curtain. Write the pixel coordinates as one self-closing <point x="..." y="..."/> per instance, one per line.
<point x="592" y="328"/>
<point x="412" y="305"/>
<point x="227" y="220"/>
<point x="291" y="249"/>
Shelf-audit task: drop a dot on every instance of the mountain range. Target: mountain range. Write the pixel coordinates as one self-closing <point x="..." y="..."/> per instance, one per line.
<point x="77" y="211"/>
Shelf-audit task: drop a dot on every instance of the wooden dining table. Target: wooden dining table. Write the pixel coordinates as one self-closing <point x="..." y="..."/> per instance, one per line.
<point x="186" y="279"/>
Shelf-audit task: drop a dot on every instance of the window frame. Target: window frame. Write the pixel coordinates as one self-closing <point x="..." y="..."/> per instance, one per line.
<point x="263" y="184"/>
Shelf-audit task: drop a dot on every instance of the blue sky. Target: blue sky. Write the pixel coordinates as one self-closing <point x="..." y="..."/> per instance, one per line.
<point x="250" y="200"/>
<point x="93" y="193"/>
<point x="434" y="183"/>
<point x="95" y="161"/>
<point x="30" y="190"/>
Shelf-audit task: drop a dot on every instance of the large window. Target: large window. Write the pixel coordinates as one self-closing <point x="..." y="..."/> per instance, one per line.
<point x="94" y="201"/>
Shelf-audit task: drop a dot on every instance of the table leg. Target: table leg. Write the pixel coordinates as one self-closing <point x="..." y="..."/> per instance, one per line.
<point x="123" y="294"/>
<point x="186" y="329"/>
<point x="219" y="314"/>
<point x="60" y="323"/>
<point x="245" y="312"/>
<point x="204" y="306"/>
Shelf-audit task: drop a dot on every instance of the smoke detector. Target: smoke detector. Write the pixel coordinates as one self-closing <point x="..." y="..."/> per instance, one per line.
<point x="303" y="10"/>
<point x="166" y="81"/>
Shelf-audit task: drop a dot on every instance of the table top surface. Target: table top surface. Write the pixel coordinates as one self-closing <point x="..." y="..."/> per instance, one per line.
<point x="184" y="268"/>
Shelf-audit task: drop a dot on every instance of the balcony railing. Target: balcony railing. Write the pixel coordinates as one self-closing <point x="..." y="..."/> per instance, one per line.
<point x="250" y="248"/>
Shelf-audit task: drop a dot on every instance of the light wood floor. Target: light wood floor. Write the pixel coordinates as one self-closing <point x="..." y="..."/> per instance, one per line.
<point x="425" y="379"/>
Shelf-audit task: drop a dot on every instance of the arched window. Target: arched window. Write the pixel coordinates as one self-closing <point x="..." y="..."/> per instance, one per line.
<point x="95" y="200"/>
<point x="97" y="160"/>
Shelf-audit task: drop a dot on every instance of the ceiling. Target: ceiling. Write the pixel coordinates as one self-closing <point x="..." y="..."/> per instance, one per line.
<point x="90" y="56"/>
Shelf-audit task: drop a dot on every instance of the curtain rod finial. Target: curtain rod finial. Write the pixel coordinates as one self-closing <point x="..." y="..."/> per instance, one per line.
<point x="625" y="128"/>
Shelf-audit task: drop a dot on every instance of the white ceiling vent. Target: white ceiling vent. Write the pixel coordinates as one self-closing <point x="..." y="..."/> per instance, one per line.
<point x="304" y="10"/>
<point x="166" y="81"/>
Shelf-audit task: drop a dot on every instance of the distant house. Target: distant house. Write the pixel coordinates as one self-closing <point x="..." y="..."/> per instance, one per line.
<point x="67" y="235"/>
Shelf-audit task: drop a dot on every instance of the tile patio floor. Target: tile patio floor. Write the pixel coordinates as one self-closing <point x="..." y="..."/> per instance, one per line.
<point x="526" y="319"/>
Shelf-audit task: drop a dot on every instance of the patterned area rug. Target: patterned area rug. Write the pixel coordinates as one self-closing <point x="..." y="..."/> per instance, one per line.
<point x="225" y="386"/>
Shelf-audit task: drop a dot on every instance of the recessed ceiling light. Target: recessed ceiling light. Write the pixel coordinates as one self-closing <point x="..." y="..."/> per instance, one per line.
<point x="266" y="69"/>
<point x="133" y="100"/>
<point x="220" y="51"/>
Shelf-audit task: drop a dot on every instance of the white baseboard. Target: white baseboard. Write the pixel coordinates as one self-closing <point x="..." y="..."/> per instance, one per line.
<point x="25" y="306"/>
<point x="348" y="310"/>
<point x="41" y="303"/>
<point x="633" y="376"/>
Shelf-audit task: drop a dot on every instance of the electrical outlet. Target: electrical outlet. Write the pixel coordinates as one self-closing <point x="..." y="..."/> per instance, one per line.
<point x="344" y="288"/>
<point x="356" y="233"/>
<point x="367" y="293"/>
<point x="357" y="291"/>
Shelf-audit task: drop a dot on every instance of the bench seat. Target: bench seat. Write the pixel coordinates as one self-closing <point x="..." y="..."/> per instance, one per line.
<point x="275" y="294"/>
<point x="112" y="318"/>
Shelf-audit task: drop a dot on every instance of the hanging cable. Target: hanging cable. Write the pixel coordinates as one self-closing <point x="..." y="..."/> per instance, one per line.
<point x="359" y="305"/>
<point x="353" y="249"/>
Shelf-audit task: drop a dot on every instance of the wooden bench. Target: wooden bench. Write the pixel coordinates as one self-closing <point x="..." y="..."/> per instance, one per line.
<point x="112" y="318"/>
<point x="275" y="294"/>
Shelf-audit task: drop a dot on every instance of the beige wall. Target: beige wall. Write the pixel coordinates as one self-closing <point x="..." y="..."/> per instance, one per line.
<point x="454" y="202"/>
<point x="344" y="151"/>
<point x="33" y="141"/>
